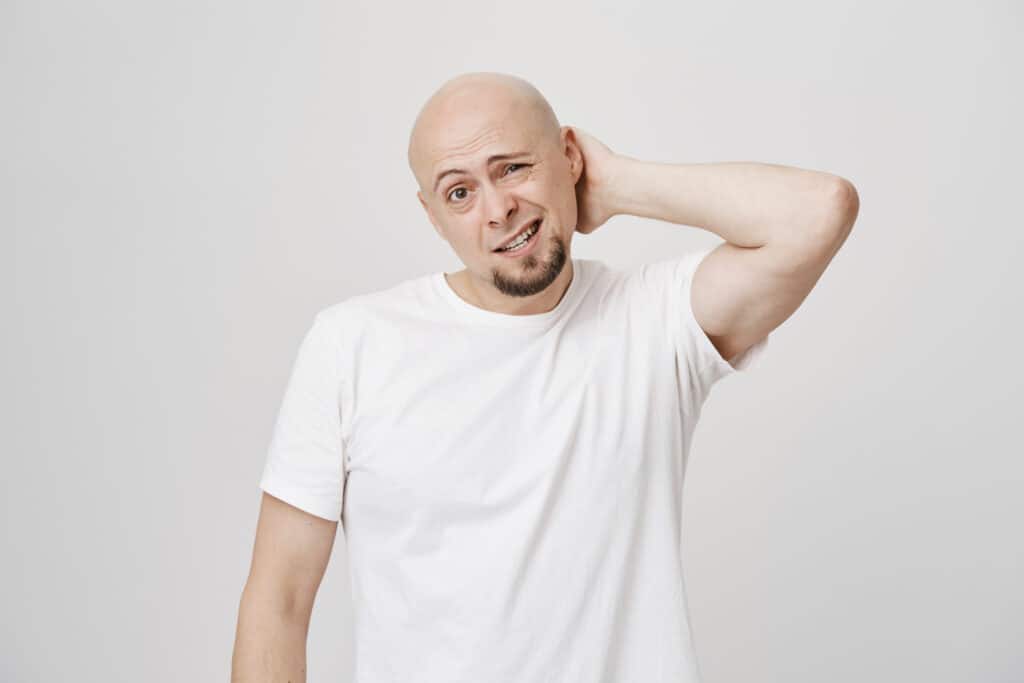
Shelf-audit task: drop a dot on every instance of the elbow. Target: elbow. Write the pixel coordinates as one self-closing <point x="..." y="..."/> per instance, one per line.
<point x="835" y="221"/>
<point x="834" y="215"/>
<point x="844" y="205"/>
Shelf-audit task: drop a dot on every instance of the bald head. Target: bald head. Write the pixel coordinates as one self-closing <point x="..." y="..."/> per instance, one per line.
<point x="451" y="119"/>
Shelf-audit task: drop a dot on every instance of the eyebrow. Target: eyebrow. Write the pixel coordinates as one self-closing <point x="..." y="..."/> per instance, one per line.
<point x="490" y="160"/>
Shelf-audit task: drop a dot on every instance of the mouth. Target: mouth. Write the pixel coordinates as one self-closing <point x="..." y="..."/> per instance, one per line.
<point x="522" y="241"/>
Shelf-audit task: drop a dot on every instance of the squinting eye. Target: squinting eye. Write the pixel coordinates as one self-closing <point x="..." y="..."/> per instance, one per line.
<point x="462" y="189"/>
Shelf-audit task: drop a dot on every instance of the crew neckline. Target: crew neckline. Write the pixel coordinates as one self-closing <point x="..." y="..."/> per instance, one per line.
<point x="474" y="313"/>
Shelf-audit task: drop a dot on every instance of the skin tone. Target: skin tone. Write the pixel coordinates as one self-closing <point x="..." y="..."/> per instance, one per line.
<point x="462" y="126"/>
<point x="781" y="225"/>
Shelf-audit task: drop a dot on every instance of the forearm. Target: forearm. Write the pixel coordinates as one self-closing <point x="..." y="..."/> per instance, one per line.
<point x="270" y="643"/>
<point x="746" y="203"/>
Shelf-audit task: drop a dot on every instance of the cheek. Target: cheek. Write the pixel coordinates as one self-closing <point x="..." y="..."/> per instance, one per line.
<point x="563" y="196"/>
<point x="558" y="192"/>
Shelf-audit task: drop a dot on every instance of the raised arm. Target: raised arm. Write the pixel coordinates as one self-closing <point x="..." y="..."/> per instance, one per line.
<point x="781" y="225"/>
<point x="290" y="556"/>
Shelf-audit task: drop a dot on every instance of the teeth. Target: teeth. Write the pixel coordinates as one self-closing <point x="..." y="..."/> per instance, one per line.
<point x="522" y="239"/>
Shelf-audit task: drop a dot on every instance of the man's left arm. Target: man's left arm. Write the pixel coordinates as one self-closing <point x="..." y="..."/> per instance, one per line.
<point x="781" y="226"/>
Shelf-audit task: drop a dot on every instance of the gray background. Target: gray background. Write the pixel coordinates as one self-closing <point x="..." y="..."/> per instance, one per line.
<point x="185" y="184"/>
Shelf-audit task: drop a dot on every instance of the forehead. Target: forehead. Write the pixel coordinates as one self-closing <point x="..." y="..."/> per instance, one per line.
<point x="466" y="134"/>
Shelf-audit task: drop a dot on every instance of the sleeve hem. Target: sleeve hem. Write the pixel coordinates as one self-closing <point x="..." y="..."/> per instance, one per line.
<point x="282" y="490"/>
<point x="718" y="365"/>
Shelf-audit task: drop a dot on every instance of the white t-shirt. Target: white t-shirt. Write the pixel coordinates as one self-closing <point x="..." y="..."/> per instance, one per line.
<point x="509" y="486"/>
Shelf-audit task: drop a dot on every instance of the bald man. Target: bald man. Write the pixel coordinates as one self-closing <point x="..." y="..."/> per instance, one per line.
<point x="505" y="445"/>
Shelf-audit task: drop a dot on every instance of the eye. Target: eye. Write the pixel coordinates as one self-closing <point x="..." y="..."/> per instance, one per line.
<point x="454" y="190"/>
<point x="462" y="189"/>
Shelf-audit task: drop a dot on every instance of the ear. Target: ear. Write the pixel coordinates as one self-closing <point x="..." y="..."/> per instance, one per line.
<point x="572" y="152"/>
<point x="430" y="215"/>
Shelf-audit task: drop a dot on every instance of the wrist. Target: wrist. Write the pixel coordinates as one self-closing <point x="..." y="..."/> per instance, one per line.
<point x="620" y="193"/>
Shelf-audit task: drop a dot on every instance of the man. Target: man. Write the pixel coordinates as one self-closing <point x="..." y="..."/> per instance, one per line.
<point x="506" y="445"/>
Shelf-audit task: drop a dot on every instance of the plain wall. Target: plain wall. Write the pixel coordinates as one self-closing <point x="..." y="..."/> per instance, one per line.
<point x="185" y="184"/>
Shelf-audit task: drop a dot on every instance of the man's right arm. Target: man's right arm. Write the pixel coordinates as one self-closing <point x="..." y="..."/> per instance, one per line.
<point x="290" y="556"/>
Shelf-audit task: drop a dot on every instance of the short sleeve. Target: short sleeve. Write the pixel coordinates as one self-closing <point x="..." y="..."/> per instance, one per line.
<point x="711" y="362"/>
<point x="667" y="283"/>
<point x="305" y="464"/>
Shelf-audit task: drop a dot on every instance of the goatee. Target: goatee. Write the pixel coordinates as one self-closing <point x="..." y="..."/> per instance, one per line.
<point x="534" y="280"/>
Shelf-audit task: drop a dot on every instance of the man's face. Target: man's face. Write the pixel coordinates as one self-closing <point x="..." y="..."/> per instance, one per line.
<point x="489" y="173"/>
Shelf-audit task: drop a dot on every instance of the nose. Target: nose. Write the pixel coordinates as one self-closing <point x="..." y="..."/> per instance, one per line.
<point x="500" y="206"/>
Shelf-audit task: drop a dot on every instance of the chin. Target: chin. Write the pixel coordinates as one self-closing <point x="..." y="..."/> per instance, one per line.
<point x="542" y="269"/>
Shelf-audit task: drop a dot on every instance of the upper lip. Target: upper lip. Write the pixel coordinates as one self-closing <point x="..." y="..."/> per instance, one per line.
<point x="516" y="234"/>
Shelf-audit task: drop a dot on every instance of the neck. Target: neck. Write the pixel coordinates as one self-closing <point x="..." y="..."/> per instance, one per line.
<point x="482" y="293"/>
